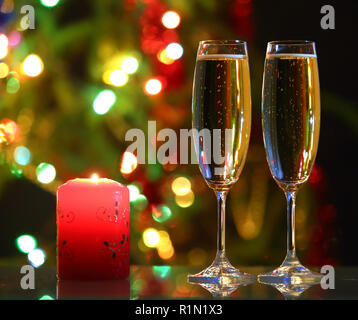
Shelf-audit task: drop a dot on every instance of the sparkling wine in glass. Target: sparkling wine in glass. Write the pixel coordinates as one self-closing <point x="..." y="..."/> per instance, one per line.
<point x="291" y="122"/>
<point x="221" y="118"/>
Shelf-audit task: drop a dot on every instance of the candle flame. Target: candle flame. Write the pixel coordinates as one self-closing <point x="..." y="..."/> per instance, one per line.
<point x="95" y="176"/>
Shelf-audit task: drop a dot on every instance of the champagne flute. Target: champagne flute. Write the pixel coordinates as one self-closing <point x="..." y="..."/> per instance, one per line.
<point x="291" y="121"/>
<point x="221" y="111"/>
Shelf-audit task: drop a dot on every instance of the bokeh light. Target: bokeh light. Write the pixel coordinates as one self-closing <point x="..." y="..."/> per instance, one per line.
<point x="7" y="6"/>
<point x="36" y="257"/>
<point x="46" y="297"/>
<point x="15" y="170"/>
<point x="2" y="134"/>
<point x="32" y="65"/>
<point x="166" y="252"/>
<point x="45" y="173"/>
<point x="134" y="192"/>
<point x="164" y="239"/>
<point x="4" y="70"/>
<point x="104" y="101"/>
<point x="118" y="78"/>
<point x="130" y="65"/>
<point x="141" y="202"/>
<point x="174" y="50"/>
<point x="14" y="38"/>
<point x="22" y="155"/>
<point x="165" y="248"/>
<point x="12" y="85"/>
<point x="49" y="3"/>
<point x="105" y="76"/>
<point x="249" y="229"/>
<point x="4" y="42"/>
<point x="153" y="86"/>
<point x="163" y="57"/>
<point x="10" y="130"/>
<point x="181" y="186"/>
<point x="151" y="237"/>
<point x="161" y="213"/>
<point x="129" y="162"/>
<point x="185" y="200"/>
<point x="141" y="246"/>
<point x="26" y="243"/>
<point x="3" y="52"/>
<point x="170" y="19"/>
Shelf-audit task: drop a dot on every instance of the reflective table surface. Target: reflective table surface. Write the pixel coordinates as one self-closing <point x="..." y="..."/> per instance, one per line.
<point x="167" y="282"/>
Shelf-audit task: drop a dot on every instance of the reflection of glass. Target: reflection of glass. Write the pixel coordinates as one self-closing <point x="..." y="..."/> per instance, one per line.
<point x="291" y="121"/>
<point x="222" y="289"/>
<point x="290" y="291"/>
<point x="221" y="104"/>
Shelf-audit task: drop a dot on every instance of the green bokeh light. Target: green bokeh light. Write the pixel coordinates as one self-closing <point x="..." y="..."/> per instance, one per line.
<point x="161" y="213"/>
<point x="45" y="173"/>
<point x="104" y="101"/>
<point x="50" y="3"/>
<point x="141" y="202"/>
<point x="12" y="85"/>
<point x="46" y="297"/>
<point x="26" y="243"/>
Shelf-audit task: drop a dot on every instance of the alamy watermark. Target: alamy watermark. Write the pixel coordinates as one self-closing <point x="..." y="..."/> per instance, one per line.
<point x="28" y="17"/>
<point x="207" y="146"/>
<point x="27" y="281"/>
<point x="328" y="20"/>
<point x="328" y="281"/>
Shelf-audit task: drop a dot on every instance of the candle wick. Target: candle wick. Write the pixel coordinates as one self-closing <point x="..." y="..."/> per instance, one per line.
<point x="95" y="177"/>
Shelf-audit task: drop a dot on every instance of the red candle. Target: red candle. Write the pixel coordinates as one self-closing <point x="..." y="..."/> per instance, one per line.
<point x="92" y="230"/>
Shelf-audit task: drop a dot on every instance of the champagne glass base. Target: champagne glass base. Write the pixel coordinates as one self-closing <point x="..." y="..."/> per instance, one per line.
<point x="221" y="276"/>
<point x="291" y="273"/>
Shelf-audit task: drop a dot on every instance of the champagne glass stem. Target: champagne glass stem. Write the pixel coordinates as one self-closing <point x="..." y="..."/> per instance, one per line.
<point x="221" y="274"/>
<point x="221" y="198"/>
<point x="291" y="206"/>
<point x="291" y="276"/>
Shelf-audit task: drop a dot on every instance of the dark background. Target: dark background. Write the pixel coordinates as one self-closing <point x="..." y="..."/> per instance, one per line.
<point x="336" y="50"/>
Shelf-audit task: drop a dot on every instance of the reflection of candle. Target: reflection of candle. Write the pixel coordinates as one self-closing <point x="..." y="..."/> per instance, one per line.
<point x="92" y="230"/>
<point x="105" y="289"/>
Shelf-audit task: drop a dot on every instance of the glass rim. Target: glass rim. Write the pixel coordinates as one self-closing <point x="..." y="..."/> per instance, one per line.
<point x="222" y="42"/>
<point x="291" y="42"/>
